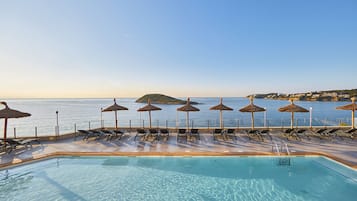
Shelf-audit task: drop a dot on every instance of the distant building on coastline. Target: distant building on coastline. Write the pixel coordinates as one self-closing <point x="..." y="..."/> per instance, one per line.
<point x="332" y="95"/>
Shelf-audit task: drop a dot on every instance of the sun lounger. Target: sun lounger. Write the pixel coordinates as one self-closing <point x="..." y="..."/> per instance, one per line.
<point x="299" y="133"/>
<point x="5" y="147"/>
<point x="98" y="134"/>
<point x="217" y="132"/>
<point x="140" y="133"/>
<point x="265" y="132"/>
<point x="118" y="133"/>
<point x="195" y="133"/>
<point x="88" y="134"/>
<point x="14" y="144"/>
<point x="252" y="133"/>
<point x="353" y="135"/>
<point x="109" y="134"/>
<point x="181" y="133"/>
<point x="164" y="133"/>
<point x="327" y="133"/>
<point x="320" y="132"/>
<point x="332" y="132"/>
<point x="288" y="132"/>
<point x="85" y="134"/>
<point x="28" y="141"/>
<point x="153" y="133"/>
<point x="351" y="132"/>
<point x="231" y="132"/>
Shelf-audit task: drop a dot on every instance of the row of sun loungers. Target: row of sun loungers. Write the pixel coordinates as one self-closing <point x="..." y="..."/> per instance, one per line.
<point x="335" y="132"/>
<point x="109" y="135"/>
<point x="352" y="132"/>
<point x="188" y="134"/>
<point x="233" y="134"/>
<point x="159" y="134"/>
<point x="13" y="144"/>
<point x="156" y="134"/>
<point x="258" y="133"/>
<point x="321" y="133"/>
<point x="99" y="134"/>
<point x="225" y="134"/>
<point x="298" y="134"/>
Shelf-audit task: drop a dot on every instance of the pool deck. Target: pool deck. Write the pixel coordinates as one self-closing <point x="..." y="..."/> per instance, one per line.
<point x="343" y="150"/>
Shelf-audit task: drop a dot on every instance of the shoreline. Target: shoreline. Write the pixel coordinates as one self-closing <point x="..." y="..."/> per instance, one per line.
<point x="306" y="100"/>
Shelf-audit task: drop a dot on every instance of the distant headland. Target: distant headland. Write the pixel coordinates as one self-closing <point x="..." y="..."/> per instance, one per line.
<point x="330" y="95"/>
<point x="162" y="99"/>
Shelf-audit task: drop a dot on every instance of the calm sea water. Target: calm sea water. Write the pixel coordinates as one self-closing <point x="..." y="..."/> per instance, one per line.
<point x="86" y="113"/>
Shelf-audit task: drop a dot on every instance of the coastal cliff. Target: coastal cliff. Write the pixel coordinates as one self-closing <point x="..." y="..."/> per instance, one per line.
<point x="162" y="99"/>
<point x="330" y="95"/>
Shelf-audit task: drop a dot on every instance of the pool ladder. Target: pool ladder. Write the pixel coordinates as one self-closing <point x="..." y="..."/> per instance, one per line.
<point x="283" y="148"/>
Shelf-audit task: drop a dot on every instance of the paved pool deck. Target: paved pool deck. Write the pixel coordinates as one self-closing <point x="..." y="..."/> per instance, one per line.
<point x="338" y="148"/>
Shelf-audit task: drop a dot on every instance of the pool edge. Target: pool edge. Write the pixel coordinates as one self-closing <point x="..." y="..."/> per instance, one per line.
<point x="60" y="154"/>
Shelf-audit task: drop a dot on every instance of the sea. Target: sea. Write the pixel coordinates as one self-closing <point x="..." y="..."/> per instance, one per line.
<point x="74" y="114"/>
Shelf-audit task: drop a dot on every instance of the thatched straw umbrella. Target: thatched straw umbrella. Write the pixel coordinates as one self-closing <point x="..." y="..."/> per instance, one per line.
<point x="221" y="107"/>
<point x="188" y="108"/>
<point x="115" y="107"/>
<point x="8" y="113"/>
<point x="252" y="108"/>
<point x="149" y="108"/>
<point x="353" y="107"/>
<point x="292" y="108"/>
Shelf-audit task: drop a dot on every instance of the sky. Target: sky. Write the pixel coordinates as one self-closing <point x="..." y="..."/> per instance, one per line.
<point x="198" y="48"/>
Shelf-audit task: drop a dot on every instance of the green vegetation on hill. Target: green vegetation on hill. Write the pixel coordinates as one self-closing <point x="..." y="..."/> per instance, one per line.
<point x="161" y="99"/>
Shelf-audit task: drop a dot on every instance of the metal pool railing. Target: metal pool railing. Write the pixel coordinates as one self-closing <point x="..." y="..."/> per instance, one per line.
<point x="66" y="128"/>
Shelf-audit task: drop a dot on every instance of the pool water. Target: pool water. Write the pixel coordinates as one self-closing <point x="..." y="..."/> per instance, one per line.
<point x="179" y="178"/>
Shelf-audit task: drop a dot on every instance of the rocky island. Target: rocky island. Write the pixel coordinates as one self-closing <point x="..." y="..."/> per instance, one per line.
<point x="162" y="99"/>
<point x="330" y="95"/>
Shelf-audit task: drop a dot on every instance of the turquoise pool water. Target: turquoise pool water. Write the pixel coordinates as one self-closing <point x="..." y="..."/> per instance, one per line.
<point x="179" y="178"/>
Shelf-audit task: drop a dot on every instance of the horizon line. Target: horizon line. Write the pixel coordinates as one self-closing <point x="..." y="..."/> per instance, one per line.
<point x="6" y="98"/>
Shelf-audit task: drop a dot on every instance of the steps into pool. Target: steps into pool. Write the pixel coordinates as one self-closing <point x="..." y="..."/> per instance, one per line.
<point x="278" y="150"/>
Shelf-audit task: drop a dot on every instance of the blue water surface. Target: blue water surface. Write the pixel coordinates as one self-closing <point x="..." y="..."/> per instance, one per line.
<point x="179" y="178"/>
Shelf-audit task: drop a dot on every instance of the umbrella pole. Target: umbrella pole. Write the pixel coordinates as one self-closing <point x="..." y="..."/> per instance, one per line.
<point x="149" y="118"/>
<point x="5" y="130"/>
<point x="116" y="121"/>
<point x="252" y="120"/>
<point x="292" y="120"/>
<point x="353" y="118"/>
<point x="188" y="121"/>
<point x="221" y="119"/>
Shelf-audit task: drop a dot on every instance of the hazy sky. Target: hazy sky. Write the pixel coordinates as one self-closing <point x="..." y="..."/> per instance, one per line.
<point x="182" y="48"/>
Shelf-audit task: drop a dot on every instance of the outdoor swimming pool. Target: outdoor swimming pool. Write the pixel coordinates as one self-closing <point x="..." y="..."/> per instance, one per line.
<point x="179" y="178"/>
